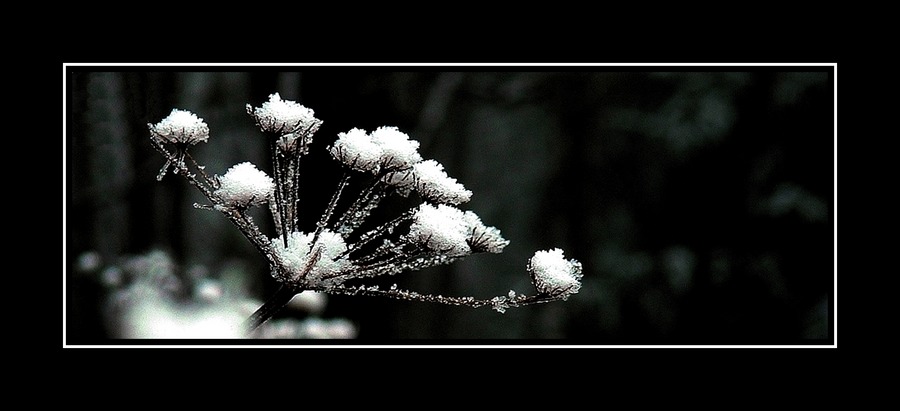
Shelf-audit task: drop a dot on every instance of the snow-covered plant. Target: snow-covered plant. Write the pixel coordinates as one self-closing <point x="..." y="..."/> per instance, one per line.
<point x="336" y="253"/>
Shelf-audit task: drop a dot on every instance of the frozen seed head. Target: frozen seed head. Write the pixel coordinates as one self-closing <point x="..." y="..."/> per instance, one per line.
<point x="398" y="151"/>
<point x="181" y="126"/>
<point x="285" y="118"/>
<point x="440" y="228"/>
<point x="483" y="239"/>
<point x="552" y="274"/>
<point x="357" y="150"/>
<point x="245" y="185"/>
<point x="300" y="256"/>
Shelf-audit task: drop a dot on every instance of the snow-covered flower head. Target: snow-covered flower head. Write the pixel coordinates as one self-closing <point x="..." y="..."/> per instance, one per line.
<point x="429" y="179"/>
<point x="180" y="126"/>
<point x="433" y="183"/>
<point x="385" y="149"/>
<point x="483" y="239"/>
<point x="285" y="118"/>
<point x="357" y="150"/>
<point x="313" y="263"/>
<point x="552" y="274"/>
<point x="399" y="151"/>
<point x="244" y="185"/>
<point x="441" y="228"/>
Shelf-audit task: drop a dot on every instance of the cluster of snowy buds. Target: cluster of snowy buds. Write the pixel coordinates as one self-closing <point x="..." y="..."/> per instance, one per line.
<point x="333" y="254"/>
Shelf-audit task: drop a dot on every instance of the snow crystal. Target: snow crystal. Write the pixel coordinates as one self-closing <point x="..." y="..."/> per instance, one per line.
<point x="299" y="251"/>
<point x="285" y="117"/>
<point x="181" y="126"/>
<point x="357" y="150"/>
<point x="399" y="151"/>
<point x="244" y="184"/>
<point x="552" y="274"/>
<point x="482" y="238"/>
<point x="499" y="304"/>
<point x="441" y="228"/>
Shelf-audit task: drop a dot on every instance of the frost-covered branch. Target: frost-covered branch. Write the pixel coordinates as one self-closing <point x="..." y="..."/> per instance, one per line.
<point x="332" y="253"/>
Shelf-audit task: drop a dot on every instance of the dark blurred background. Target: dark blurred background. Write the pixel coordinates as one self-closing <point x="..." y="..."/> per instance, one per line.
<point x="698" y="199"/>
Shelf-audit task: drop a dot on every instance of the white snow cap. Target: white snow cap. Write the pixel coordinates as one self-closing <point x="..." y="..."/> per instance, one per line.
<point x="429" y="179"/>
<point x="441" y="228"/>
<point x="552" y="274"/>
<point x="357" y="150"/>
<point x="399" y="151"/>
<point x="299" y="252"/>
<point x="181" y="126"/>
<point x="433" y="183"/>
<point x="483" y="238"/>
<point x="244" y="184"/>
<point x="386" y="148"/>
<point x="284" y="117"/>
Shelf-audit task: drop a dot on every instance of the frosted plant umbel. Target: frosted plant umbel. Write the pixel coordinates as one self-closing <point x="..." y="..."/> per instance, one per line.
<point x="336" y="253"/>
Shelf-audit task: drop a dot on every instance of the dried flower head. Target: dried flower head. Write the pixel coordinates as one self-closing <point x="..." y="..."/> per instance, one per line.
<point x="180" y="127"/>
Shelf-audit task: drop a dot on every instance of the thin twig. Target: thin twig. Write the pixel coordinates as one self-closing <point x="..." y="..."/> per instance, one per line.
<point x="323" y="222"/>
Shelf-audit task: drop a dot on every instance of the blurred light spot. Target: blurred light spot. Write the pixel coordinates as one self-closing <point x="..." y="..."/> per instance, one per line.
<point x="793" y="198"/>
<point x="309" y="301"/>
<point x="89" y="261"/>
<point x="679" y="264"/>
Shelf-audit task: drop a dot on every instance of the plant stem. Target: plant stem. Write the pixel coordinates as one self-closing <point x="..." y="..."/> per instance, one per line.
<point x="275" y="303"/>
